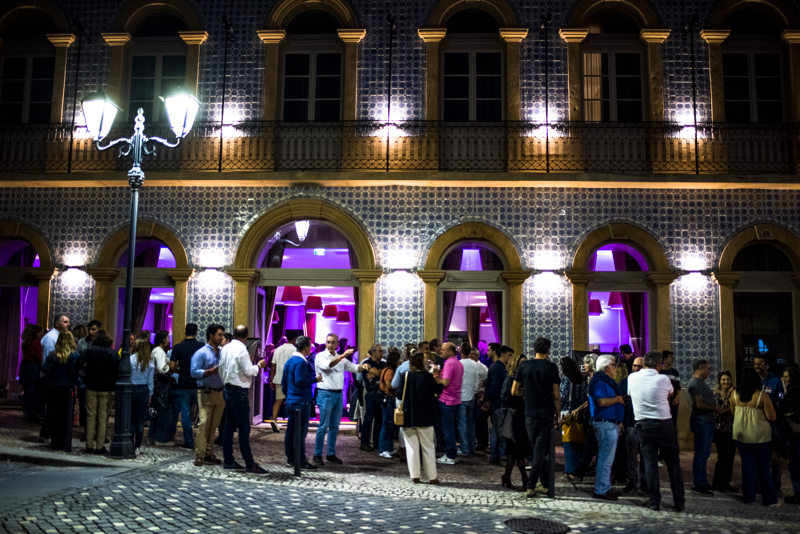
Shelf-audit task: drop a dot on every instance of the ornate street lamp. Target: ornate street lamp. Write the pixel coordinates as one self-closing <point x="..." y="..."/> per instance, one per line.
<point x="100" y="112"/>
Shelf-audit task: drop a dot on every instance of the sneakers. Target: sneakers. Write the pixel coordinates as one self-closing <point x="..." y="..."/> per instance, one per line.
<point x="165" y="444"/>
<point x="386" y="455"/>
<point x="703" y="490"/>
<point x="233" y="467"/>
<point x="137" y="451"/>
<point x="608" y="496"/>
<point x="318" y="460"/>
<point x="255" y="469"/>
<point x="333" y="459"/>
<point x="274" y="428"/>
<point x="446" y="460"/>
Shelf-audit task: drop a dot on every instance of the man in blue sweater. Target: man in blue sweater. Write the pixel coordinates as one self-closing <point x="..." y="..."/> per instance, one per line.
<point x="298" y="377"/>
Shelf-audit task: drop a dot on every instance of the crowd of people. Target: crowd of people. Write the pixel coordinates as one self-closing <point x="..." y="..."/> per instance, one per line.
<point x="436" y="400"/>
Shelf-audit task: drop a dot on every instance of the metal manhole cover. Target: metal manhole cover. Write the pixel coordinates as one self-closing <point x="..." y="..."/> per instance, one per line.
<point x="530" y="525"/>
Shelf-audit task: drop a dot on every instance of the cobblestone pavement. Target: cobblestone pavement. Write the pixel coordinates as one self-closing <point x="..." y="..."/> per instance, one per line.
<point x="166" y="492"/>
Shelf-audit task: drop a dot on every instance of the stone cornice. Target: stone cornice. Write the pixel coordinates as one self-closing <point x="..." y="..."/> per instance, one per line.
<point x="351" y="35"/>
<point x="515" y="278"/>
<point x="61" y="40"/>
<point x="194" y="38"/>
<point x="729" y="278"/>
<point x="714" y="36"/>
<point x="513" y="35"/>
<point x="180" y="274"/>
<point x="43" y="273"/>
<point x="663" y="277"/>
<point x="791" y="36"/>
<point x="431" y="277"/>
<point x="271" y="36"/>
<point x="654" y="36"/>
<point x="367" y="276"/>
<point x="243" y="275"/>
<point x="116" y="39"/>
<point x="573" y="35"/>
<point x="579" y="278"/>
<point x="432" y="35"/>
<point x="103" y="274"/>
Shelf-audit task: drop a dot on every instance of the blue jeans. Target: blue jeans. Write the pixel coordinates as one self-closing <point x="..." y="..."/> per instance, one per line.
<point x="237" y="409"/>
<point x="756" y="464"/>
<point x="330" y="415"/>
<point x="572" y="456"/>
<point x="387" y="429"/>
<point x="448" y="427"/>
<point x="497" y="448"/>
<point x="139" y="404"/>
<point x="305" y="410"/>
<point x="703" y="430"/>
<point x="186" y="398"/>
<point x="466" y="426"/>
<point x="607" y="434"/>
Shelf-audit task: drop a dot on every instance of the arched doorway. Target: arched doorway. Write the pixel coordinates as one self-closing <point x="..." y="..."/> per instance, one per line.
<point x="759" y="277"/>
<point x="26" y="268"/>
<point x="474" y="265"/>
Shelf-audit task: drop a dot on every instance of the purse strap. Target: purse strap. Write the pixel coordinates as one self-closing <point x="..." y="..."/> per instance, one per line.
<point x="405" y="382"/>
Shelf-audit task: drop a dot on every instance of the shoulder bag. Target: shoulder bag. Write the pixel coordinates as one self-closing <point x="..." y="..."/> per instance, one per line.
<point x="399" y="417"/>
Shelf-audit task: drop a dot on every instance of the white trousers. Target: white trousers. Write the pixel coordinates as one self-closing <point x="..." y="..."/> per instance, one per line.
<point x="420" y="438"/>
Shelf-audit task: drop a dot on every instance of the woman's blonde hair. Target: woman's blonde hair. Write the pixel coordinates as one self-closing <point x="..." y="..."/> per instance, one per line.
<point x="65" y="345"/>
<point x="514" y="363"/>
<point x="621" y="374"/>
<point x="141" y="348"/>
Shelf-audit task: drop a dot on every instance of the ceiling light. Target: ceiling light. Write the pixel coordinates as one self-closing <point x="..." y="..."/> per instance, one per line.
<point x="301" y="227"/>
<point x="330" y="312"/>
<point x="343" y="318"/>
<point x="292" y="296"/>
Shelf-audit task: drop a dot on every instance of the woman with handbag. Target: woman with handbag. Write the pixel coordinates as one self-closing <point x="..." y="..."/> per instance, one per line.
<point x="386" y="440"/>
<point x="60" y="392"/>
<point x="518" y="444"/>
<point x="419" y="396"/>
<point x="723" y="435"/>
<point x="573" y="397"/>
<point x="789" y="413"/>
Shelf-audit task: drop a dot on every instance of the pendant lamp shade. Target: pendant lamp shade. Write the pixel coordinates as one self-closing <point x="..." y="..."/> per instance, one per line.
<point x="275" y="317"/>
<point x="595" y="308"/>
<point x="301" y="227"/>
<point x="313" y="304"/>
<point x="485" y="318"/>
<point x="330" y="312"/>
<point x="615" y="301"/>
<point x="343" y="318"/>
<point x="292" y="296"/>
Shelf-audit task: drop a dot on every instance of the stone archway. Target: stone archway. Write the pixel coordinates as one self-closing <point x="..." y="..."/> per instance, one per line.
<point x="659" y="276"/>
<point x="44" y="273"/>
<point x="106" y="272"/>
<point x="245" y="274"/>
<point x="514" y="275"/>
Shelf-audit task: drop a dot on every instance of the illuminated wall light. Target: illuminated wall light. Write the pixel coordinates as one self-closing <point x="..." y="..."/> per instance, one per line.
<point x="398" y="115"/>
<point x="544" y="124"/>
<point x="401" y="281"/>
<point x="546" y="260"/>
<point x="211" y="278"/>
<point x="212" y="258"/>
<point x="693" y="280"/>
<point x="693" y="262"/>
<point x="400" y="259"/>
<point x="73" y="277"/>
<point x="685" y="120"/>
<point x="547" y="281"/>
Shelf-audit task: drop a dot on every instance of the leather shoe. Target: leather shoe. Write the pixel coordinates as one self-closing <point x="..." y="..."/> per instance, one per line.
<point x="256" y="469"/>
<point x="332" y="458"/>
<point x="366" y="447"/>
<point x="608" y="496"/>
<point x="233" y="467"/>
<point x="213" y="460"/>
<point x="307" y="466"/>
<point x="318" y="460"/>
<point x="199" y="462"/>
<point x="653" y="507"/>
<point x="678" y="507"/>
<point x="630" y="488"/>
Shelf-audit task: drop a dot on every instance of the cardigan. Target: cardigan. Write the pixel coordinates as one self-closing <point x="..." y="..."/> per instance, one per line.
<point x="419" y="399"/>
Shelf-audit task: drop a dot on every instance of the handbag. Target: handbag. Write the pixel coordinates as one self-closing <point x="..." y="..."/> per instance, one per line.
<point x="507" y="426"/>
<point x="399" y="416"/>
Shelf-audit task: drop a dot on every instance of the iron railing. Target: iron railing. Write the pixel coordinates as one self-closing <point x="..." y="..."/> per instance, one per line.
<point x="643" y="148"/>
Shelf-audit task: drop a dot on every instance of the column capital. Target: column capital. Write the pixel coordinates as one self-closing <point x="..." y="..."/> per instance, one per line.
<point x="431" y="276"/>
<point x="194" y="38"/>
<point x="663" y="278"/>
<point x="271" y="36"/>
<point x="791" y="36"/>
<point x="243" y="275"/>
<point x="654" y="36"/>
<point x="515" y="278"/>
<point x="579" y="278"/>
<point x="116" y="39"/>
<point x="513" y="35"/>
<point x="351" y="35"/>
<point x="367" y="276"/>
<point x="432" y="35"/>
<point x="43" y="273"/>
<point x="729" y="278"/>
<point x="61" y="40"/>
<point x="103" y="274"/>
<point x="180" y="274"/>
<point x="714" y="36"/>
<point x="573" y="35"/>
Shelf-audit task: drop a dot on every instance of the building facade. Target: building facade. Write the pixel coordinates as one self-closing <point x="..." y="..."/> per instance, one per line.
<point x="663" y="133"/>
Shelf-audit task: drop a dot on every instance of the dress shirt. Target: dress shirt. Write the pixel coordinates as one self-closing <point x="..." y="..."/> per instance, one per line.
<point x="203" y="359"/>
<point x="235" y="367"/>
<point x="279" y="358"/>
<point x="49" y="343"/>
<point x="160" y="361"/>
<point x="399" y="374"/>
<point x="139" y="377"/>
<point x="332" y="377"/>
<point x="474" y="374"/>
<point x="649" y="393"/>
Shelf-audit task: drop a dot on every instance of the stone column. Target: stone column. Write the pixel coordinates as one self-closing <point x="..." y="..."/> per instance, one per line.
<point x="241" y="296"/>
<point x="193" y="41"/>
<point x="430" y="317"/>
<point x="573" y="38"/>
<point x="662" y="336"/>
<point x="727" y="339"/>
<point x="655" y="71"/>
<point x="366" y="308"/>
<point x="61" y="41"/>
<point x="580" y="308"/>
<point x="714" y="38"/>
<point x="514" y="322"/>
<point x="116" y="63"/>
<point x="181" y="277"/>
<point x="513" y="37"/>
<point x="44" y="275"/>
<point x="792" y="39"/>
<point x="351" y="38"/>
<point x="272" y="39"/>
<point x="796" y="281"/>
<point x="105" y="298"/>
<point x="432" y="38"/>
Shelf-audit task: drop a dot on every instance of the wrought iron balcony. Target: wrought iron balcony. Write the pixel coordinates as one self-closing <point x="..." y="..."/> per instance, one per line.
<point x="644" y="148"/>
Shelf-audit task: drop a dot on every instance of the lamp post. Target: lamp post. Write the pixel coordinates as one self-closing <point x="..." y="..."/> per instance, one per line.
<point x="99" y="112"/>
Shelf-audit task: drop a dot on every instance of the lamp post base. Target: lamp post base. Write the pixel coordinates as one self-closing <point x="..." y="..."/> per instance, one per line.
<point x="122" y="443"/>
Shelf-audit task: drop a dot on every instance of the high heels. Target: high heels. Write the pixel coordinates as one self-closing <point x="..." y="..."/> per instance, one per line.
<point x="505" y="481"/>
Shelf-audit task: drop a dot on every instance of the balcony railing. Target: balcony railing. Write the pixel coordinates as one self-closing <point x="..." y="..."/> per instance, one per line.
<point x="425" y="146"/>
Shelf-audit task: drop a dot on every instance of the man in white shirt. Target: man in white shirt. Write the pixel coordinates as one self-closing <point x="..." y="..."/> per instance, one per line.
<point x="331" y="367"/>
<point x="649" y="393"/>
<point x="279" y="359"/>
<point x="61" y="324"/>
<point x="236" y="371"/>
<point x="474" y="375"/>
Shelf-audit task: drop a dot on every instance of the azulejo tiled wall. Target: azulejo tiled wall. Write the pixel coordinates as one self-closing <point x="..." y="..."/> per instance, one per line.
<point x="545" y="224"/>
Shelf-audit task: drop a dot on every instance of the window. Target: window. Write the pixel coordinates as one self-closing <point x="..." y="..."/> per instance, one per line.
<point x="752" y="87"/>
<point x="612" y="87"/>
<point x="473" y="86"/>
<point x="312" y="87"/>
<point x="26" y="93"/>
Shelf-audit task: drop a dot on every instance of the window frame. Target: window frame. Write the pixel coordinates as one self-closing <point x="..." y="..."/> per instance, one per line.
<point x="752" y="45"/>
<point x="29" y="49"/>
<point x="158" y="47"/>
<point x="613" y="45"/>
<point x="473" y="43"/>
<point x="312" y="45"/>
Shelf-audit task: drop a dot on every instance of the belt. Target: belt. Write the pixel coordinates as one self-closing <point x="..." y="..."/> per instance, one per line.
<point x="331" y="390"/>
<point x="209" y="390"/>
<point x="604" y="420"/>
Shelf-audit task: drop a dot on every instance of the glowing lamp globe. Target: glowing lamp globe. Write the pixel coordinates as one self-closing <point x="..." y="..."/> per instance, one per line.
<point x="182" y="108"/>
<point x="99" y="113"/>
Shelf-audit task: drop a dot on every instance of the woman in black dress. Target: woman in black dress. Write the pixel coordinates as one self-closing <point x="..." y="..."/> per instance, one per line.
<point x="520" y="448"/>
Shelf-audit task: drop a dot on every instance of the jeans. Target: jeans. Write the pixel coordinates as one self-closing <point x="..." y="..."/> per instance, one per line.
<point x="655" y="434"/>
<point x="373" y="417"/>
<point x="387" y="429"/>
<point x="607" y="434"/>
<point x="572" y="456"/>
<point x="756" y="464"/>
<point x="497" y="448"/>
<point x="448" y="428"/>
<point x="291" y="410"/>
<point x="703" y="430"/>
<point x="466" y="426"/>
<point x="237" y="412"/>
<point x="539" y="434"/>
<point x="139" y="402"/>
<point x="723" y="470"/>
<point x="330" y="415"/>
<point x="186" y="398"/>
